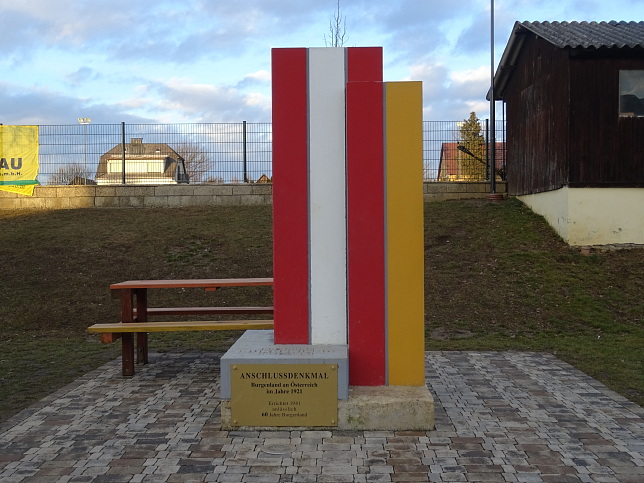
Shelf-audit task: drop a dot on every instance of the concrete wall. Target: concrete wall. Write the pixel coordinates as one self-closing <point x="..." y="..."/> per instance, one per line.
<point x="459" y="190"/>
<point x="70" y="197"/>
<point x="592" y="216"/>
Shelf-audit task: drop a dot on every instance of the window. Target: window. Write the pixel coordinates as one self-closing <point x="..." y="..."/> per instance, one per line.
<point x="155" y="166"/>
<point x="135" y="166"/>
<point x="115" y="166"/>
<point x="631" y="93"/>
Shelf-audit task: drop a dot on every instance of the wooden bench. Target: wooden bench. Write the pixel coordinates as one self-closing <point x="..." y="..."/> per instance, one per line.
<point x="135" y="312"/>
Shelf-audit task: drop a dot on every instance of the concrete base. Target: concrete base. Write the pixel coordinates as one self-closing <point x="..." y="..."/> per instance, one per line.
<point x="392" y="408"/>
<point x="359" y="407"/>
<point x="257" y="347"/>
<point x="396" y="408"/>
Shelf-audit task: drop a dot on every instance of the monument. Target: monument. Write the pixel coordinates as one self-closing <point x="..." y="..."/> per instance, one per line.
<point x="347" y="350"/>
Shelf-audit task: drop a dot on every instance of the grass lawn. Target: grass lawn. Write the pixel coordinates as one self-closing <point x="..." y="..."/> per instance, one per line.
<point x="497" y="278"/>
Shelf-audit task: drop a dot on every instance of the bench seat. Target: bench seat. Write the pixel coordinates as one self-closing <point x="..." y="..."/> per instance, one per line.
<point x="134" y="327"/>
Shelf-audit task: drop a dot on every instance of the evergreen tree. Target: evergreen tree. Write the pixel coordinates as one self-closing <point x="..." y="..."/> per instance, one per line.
<point x="472" y="154"/>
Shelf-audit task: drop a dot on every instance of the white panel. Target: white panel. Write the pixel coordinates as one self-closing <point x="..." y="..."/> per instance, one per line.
<point x="327" y="196"/>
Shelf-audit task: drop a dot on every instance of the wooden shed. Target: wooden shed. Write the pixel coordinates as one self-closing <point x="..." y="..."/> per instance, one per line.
<point x="574" y="94"/>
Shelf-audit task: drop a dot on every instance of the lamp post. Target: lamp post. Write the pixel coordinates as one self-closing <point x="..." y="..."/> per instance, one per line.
<point x="463" y="149"/>
<point x="84" y="121"/>
<point x="492" y="107"/>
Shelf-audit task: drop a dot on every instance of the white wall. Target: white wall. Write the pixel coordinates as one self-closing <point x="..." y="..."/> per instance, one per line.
<point x="592" y="216"/>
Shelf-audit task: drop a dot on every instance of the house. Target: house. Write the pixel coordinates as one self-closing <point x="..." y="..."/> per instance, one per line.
<point x="145" y="163"/>
<point x="574" y="94"/>
<point x="450" y="168"/>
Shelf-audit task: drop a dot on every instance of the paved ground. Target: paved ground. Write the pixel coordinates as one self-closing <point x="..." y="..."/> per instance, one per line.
<point x="515" y="417"/>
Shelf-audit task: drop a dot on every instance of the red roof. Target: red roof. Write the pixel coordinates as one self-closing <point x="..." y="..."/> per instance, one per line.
<point x="448" y="167"/>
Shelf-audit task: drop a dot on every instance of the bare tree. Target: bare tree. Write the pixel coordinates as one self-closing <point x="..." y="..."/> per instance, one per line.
<point x="196" y="160"/>
<point x="70" y="174"/>
<point x="337" y="29"/>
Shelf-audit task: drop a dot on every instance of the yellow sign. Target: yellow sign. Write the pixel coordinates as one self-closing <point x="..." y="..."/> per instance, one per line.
<point x="18" y="159"/>
<point x="284" y="394"/>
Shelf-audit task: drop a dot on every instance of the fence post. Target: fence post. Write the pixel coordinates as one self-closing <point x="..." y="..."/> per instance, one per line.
<point x="244" y="149"/>
<point x="487" y="147"/>
<point x="123" y="148"/>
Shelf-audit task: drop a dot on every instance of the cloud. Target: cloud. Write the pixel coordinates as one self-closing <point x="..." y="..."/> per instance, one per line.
<point x="260" y="79"/>
<point x="82" y="75"/>
<point x="209" y="103"/>
<point x="476" y="37"/>
<point x="54" y="23"/>
<point x="470" y="83"/>
<point x="418" y="29"/>
<point x="450" y="95"/>
<point x="208" y="61"/>
<point x="169" y="30"/>
<point x="40" y="106"/>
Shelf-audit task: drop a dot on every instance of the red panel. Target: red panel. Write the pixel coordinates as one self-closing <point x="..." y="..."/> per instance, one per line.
<point x="366" y="233"/>
<point x="290" y="196"/>
<point x="364" y="64"/>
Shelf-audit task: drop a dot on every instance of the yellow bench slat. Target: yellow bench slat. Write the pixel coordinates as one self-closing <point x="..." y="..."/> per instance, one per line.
<point x="180" y="326"/>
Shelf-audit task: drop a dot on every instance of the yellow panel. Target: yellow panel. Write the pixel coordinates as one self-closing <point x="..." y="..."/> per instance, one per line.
<point x="19" y="153"/>
<point x="405" y="244"/>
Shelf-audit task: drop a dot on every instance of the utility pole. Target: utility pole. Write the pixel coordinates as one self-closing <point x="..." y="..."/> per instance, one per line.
<point x="492" y="106"/>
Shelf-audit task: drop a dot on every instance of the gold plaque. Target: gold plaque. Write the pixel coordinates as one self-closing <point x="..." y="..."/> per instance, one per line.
<point x="284" y="394"/>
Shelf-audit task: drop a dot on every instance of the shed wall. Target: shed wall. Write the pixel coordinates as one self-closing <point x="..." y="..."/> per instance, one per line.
<point x="604" y="148"/>
<point x="537" y="99"/>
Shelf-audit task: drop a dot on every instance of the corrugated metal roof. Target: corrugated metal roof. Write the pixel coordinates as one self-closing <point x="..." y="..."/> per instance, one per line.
<point x="589" y="34"/>
<point x="572" y="35"/>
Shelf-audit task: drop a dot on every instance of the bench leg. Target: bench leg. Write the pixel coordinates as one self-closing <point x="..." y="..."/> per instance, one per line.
<point x="141" y="347"/>
<point x="141" y="316"/>
<point x="127" y="353"/>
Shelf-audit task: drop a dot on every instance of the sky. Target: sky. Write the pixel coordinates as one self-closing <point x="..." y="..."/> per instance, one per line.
<point x="184" y="61"/>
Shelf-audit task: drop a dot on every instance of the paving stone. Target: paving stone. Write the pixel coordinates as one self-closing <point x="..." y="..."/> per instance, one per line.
<point x="500" y="416"/>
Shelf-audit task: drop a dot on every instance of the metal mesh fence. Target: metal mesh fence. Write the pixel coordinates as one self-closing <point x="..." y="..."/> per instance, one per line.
<point x="157" y="153"/>
<point x="208" y="153"/>
<point x="447" y="157"/>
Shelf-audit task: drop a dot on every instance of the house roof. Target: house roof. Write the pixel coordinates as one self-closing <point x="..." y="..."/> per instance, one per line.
<point x="567" y="35"/>
<point x="136" y="148"/>
<point x="587" y="35"/>
<point x="450" y="156"/>
<point x="448" y="165"/>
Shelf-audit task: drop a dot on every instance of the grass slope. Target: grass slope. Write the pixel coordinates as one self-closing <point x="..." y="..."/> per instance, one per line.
<point x="497" y="278"/>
